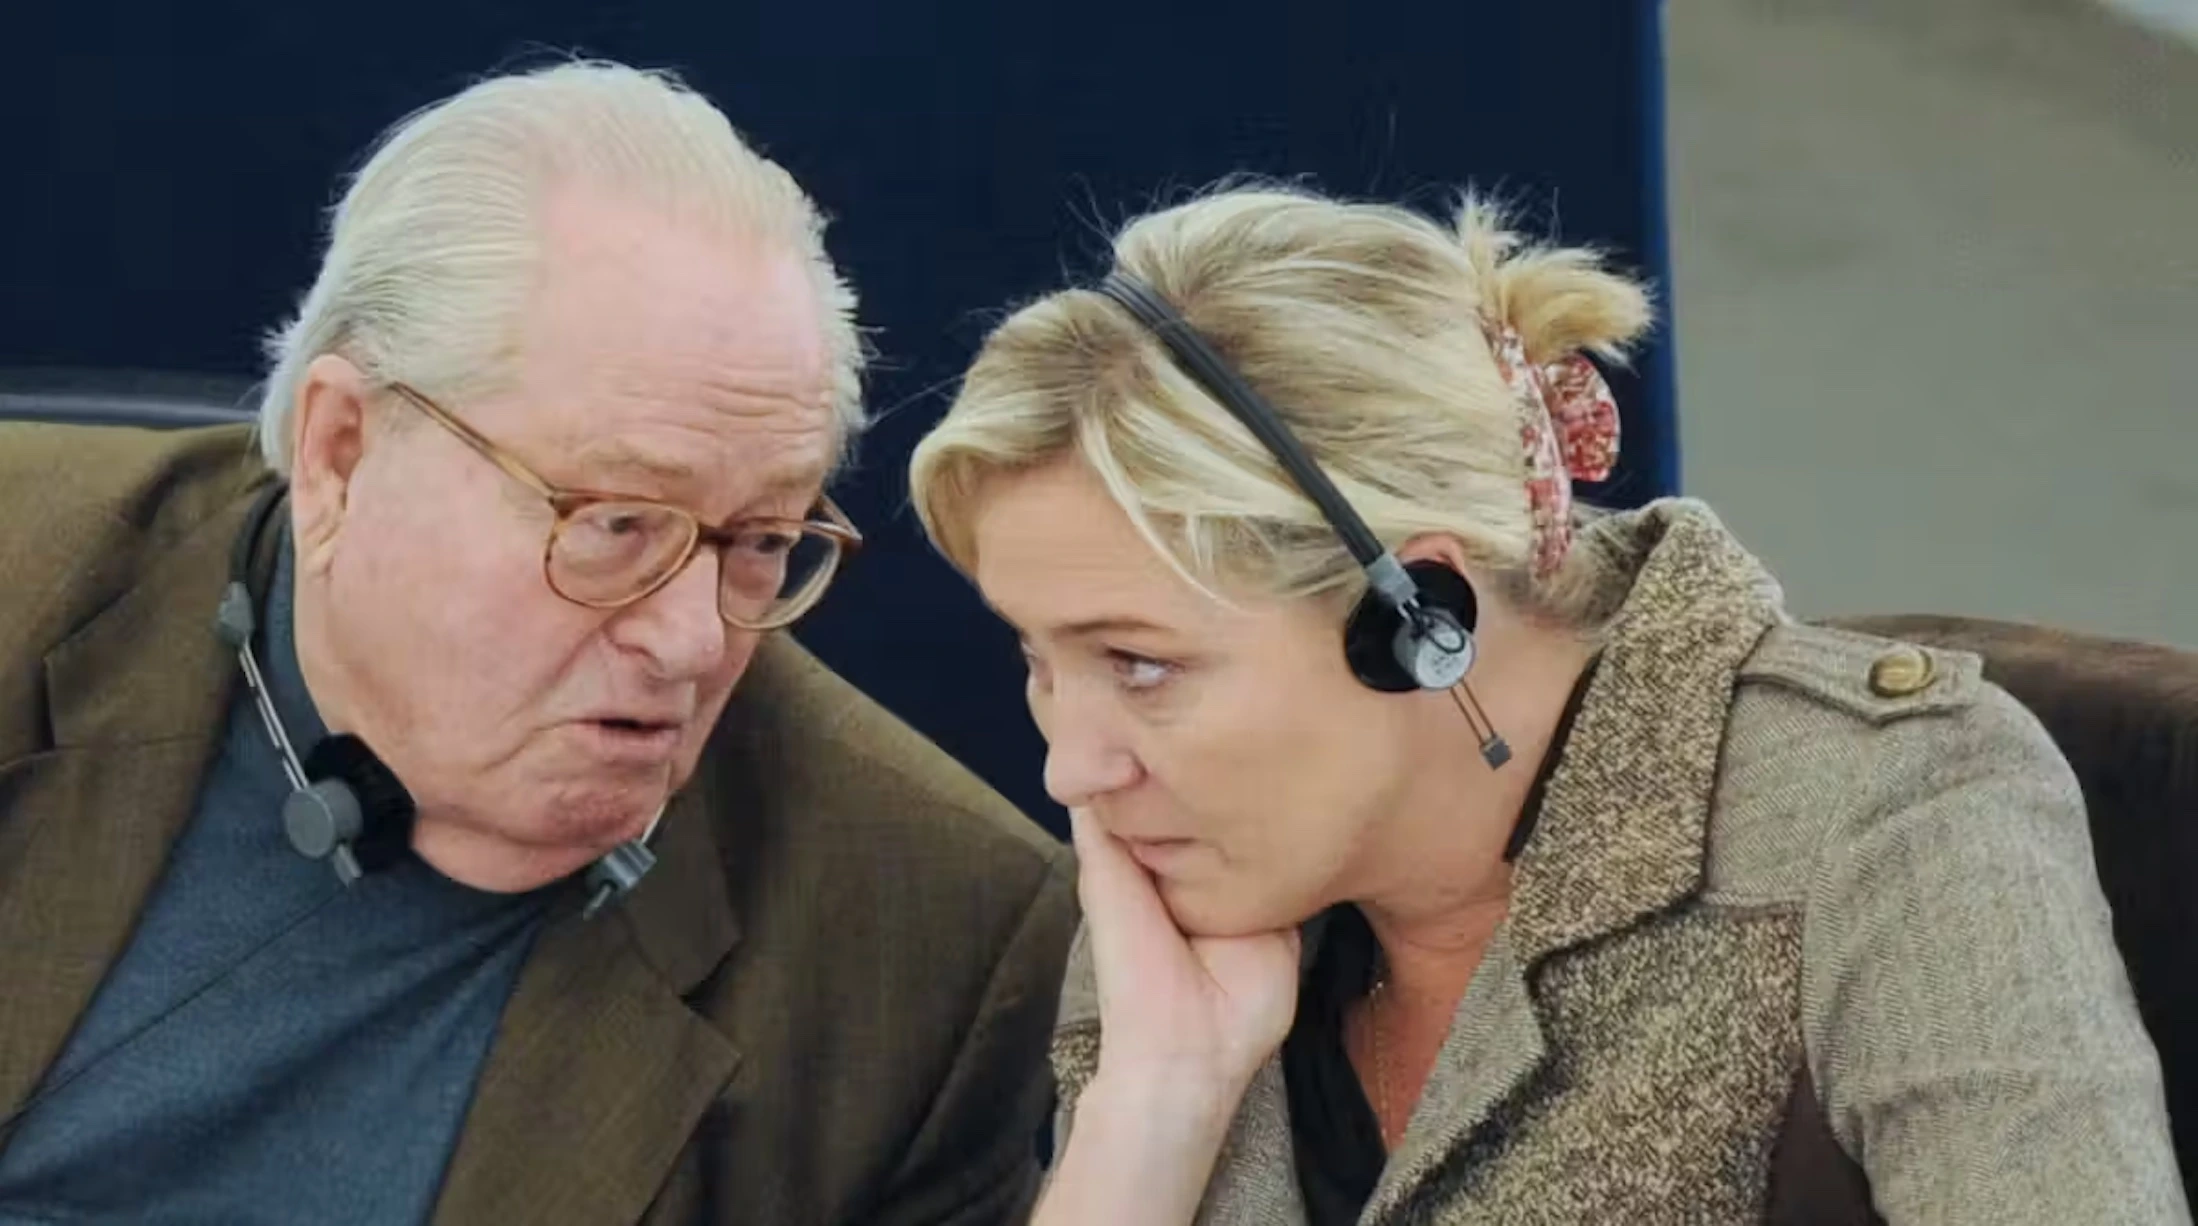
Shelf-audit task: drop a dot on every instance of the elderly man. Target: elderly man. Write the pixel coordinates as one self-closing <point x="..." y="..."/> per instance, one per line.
<point x="449" y="878"/>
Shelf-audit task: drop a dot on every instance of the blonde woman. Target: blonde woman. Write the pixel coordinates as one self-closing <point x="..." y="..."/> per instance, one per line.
<point x="1666" y="893"/>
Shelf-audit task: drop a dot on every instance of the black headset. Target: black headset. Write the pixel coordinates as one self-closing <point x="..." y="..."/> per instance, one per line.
<point x="1413" y="629"/>
<point x="345" y="805"/>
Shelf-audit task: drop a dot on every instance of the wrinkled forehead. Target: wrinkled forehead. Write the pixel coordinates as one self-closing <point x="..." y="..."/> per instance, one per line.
<point x="783" y="463"/>
<point x="614" y="275"/>
<point x="719" y="455"/>
<point x="684" y="365"/>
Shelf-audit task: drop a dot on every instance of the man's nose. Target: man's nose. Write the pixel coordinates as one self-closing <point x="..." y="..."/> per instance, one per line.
<point x="677" y="626"/>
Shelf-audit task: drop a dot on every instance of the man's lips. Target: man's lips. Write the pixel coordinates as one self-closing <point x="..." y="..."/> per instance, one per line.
<point x="632" y="738"/>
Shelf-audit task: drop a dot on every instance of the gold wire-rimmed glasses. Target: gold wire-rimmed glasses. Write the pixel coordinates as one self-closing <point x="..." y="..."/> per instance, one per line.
<point x="606" y="551"/>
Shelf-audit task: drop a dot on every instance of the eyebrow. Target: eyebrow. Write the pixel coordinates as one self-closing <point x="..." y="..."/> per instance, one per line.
<point x="1093" y="626"/>
<point x="619" y="456"/>
<point x="616" y="456"/>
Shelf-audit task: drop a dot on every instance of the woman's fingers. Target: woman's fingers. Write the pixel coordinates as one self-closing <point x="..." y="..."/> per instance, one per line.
<point x="1130" y="925"/>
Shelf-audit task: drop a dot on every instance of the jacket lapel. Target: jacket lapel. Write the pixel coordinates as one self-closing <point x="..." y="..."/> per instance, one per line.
<point x="600" y="1072"/>
<point x="137" y="698"/>
<point x="1495" y="1045"/>
<point x="1625" y="816"/>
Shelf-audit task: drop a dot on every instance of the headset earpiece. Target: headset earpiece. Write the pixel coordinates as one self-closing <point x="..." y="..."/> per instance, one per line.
<point x="1394" y="657"/>
<point x="355" y="813"/>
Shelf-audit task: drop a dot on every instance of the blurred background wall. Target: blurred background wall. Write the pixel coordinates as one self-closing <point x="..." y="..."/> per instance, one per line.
<point x="1936" y="267"/>
<point x="163" y="168"/>
<point x="1933" y="263"/>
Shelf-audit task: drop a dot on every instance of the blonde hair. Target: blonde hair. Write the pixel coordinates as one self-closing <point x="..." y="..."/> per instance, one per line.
<point x="1360" y="323"/>
<point x="432" y="249"/>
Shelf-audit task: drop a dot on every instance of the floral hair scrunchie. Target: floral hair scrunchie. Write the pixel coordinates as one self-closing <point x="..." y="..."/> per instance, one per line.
<point x="1568" y="429"/>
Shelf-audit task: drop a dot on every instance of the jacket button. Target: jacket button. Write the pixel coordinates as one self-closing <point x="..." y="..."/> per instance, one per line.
<point x="1901" y="672"/>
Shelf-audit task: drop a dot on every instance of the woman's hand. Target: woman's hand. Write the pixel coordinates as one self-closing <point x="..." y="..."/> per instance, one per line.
<point x="1184" y="1024"/>
<point x="1190" y="1013"/>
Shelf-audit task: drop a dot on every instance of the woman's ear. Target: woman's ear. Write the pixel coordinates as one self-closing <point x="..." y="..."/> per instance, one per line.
<point x="1502" y="601"/>
<point x="1440" y="548"/>
<point x="1439" y="560"/>
<point x="327" y="441"/>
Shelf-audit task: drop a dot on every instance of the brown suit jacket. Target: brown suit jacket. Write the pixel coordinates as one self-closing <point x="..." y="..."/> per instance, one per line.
<point x="828" y="1003"/>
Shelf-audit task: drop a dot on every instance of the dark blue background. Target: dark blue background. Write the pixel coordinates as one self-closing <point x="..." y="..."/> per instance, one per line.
<point x="163" y="168"/>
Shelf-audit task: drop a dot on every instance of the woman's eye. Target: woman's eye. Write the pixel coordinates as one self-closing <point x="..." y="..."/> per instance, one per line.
<point x="1141" y="672"/>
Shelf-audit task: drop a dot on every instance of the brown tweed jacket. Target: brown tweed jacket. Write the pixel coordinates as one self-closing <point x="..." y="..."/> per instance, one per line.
<point x="1772" y="857"/>
<point x="828" y="1003"/>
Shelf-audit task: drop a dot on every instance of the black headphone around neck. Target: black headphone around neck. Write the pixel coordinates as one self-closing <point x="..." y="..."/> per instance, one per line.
<point x="345" y="805"/>
<point x="1413" y="629"/>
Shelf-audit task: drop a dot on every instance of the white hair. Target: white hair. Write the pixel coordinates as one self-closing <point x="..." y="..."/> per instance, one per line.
<point x="431" y="251"/>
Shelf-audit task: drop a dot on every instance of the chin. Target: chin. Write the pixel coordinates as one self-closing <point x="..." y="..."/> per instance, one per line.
<point x="596" y="816"/>
<point x="1216" y="910"/>
<point x="518" y="833"/>
<point x="603" y="822"/>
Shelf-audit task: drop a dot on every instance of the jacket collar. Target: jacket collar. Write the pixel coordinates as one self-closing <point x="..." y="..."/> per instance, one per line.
<point x="1625" y="818"/>
<point x="1624" y="825"/>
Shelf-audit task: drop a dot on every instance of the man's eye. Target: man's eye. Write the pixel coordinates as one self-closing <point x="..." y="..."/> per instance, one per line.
<point x="769" y="544"/>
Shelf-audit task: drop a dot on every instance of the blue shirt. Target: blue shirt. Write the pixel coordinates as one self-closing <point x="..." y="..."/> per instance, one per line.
<point x="271" y="1046"/>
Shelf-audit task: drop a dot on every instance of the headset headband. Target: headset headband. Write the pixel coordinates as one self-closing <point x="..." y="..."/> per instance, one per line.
<point x="1198" y="359"/>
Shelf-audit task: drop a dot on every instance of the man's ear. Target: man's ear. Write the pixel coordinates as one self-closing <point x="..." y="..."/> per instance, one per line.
<point x="327" y="440"/>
